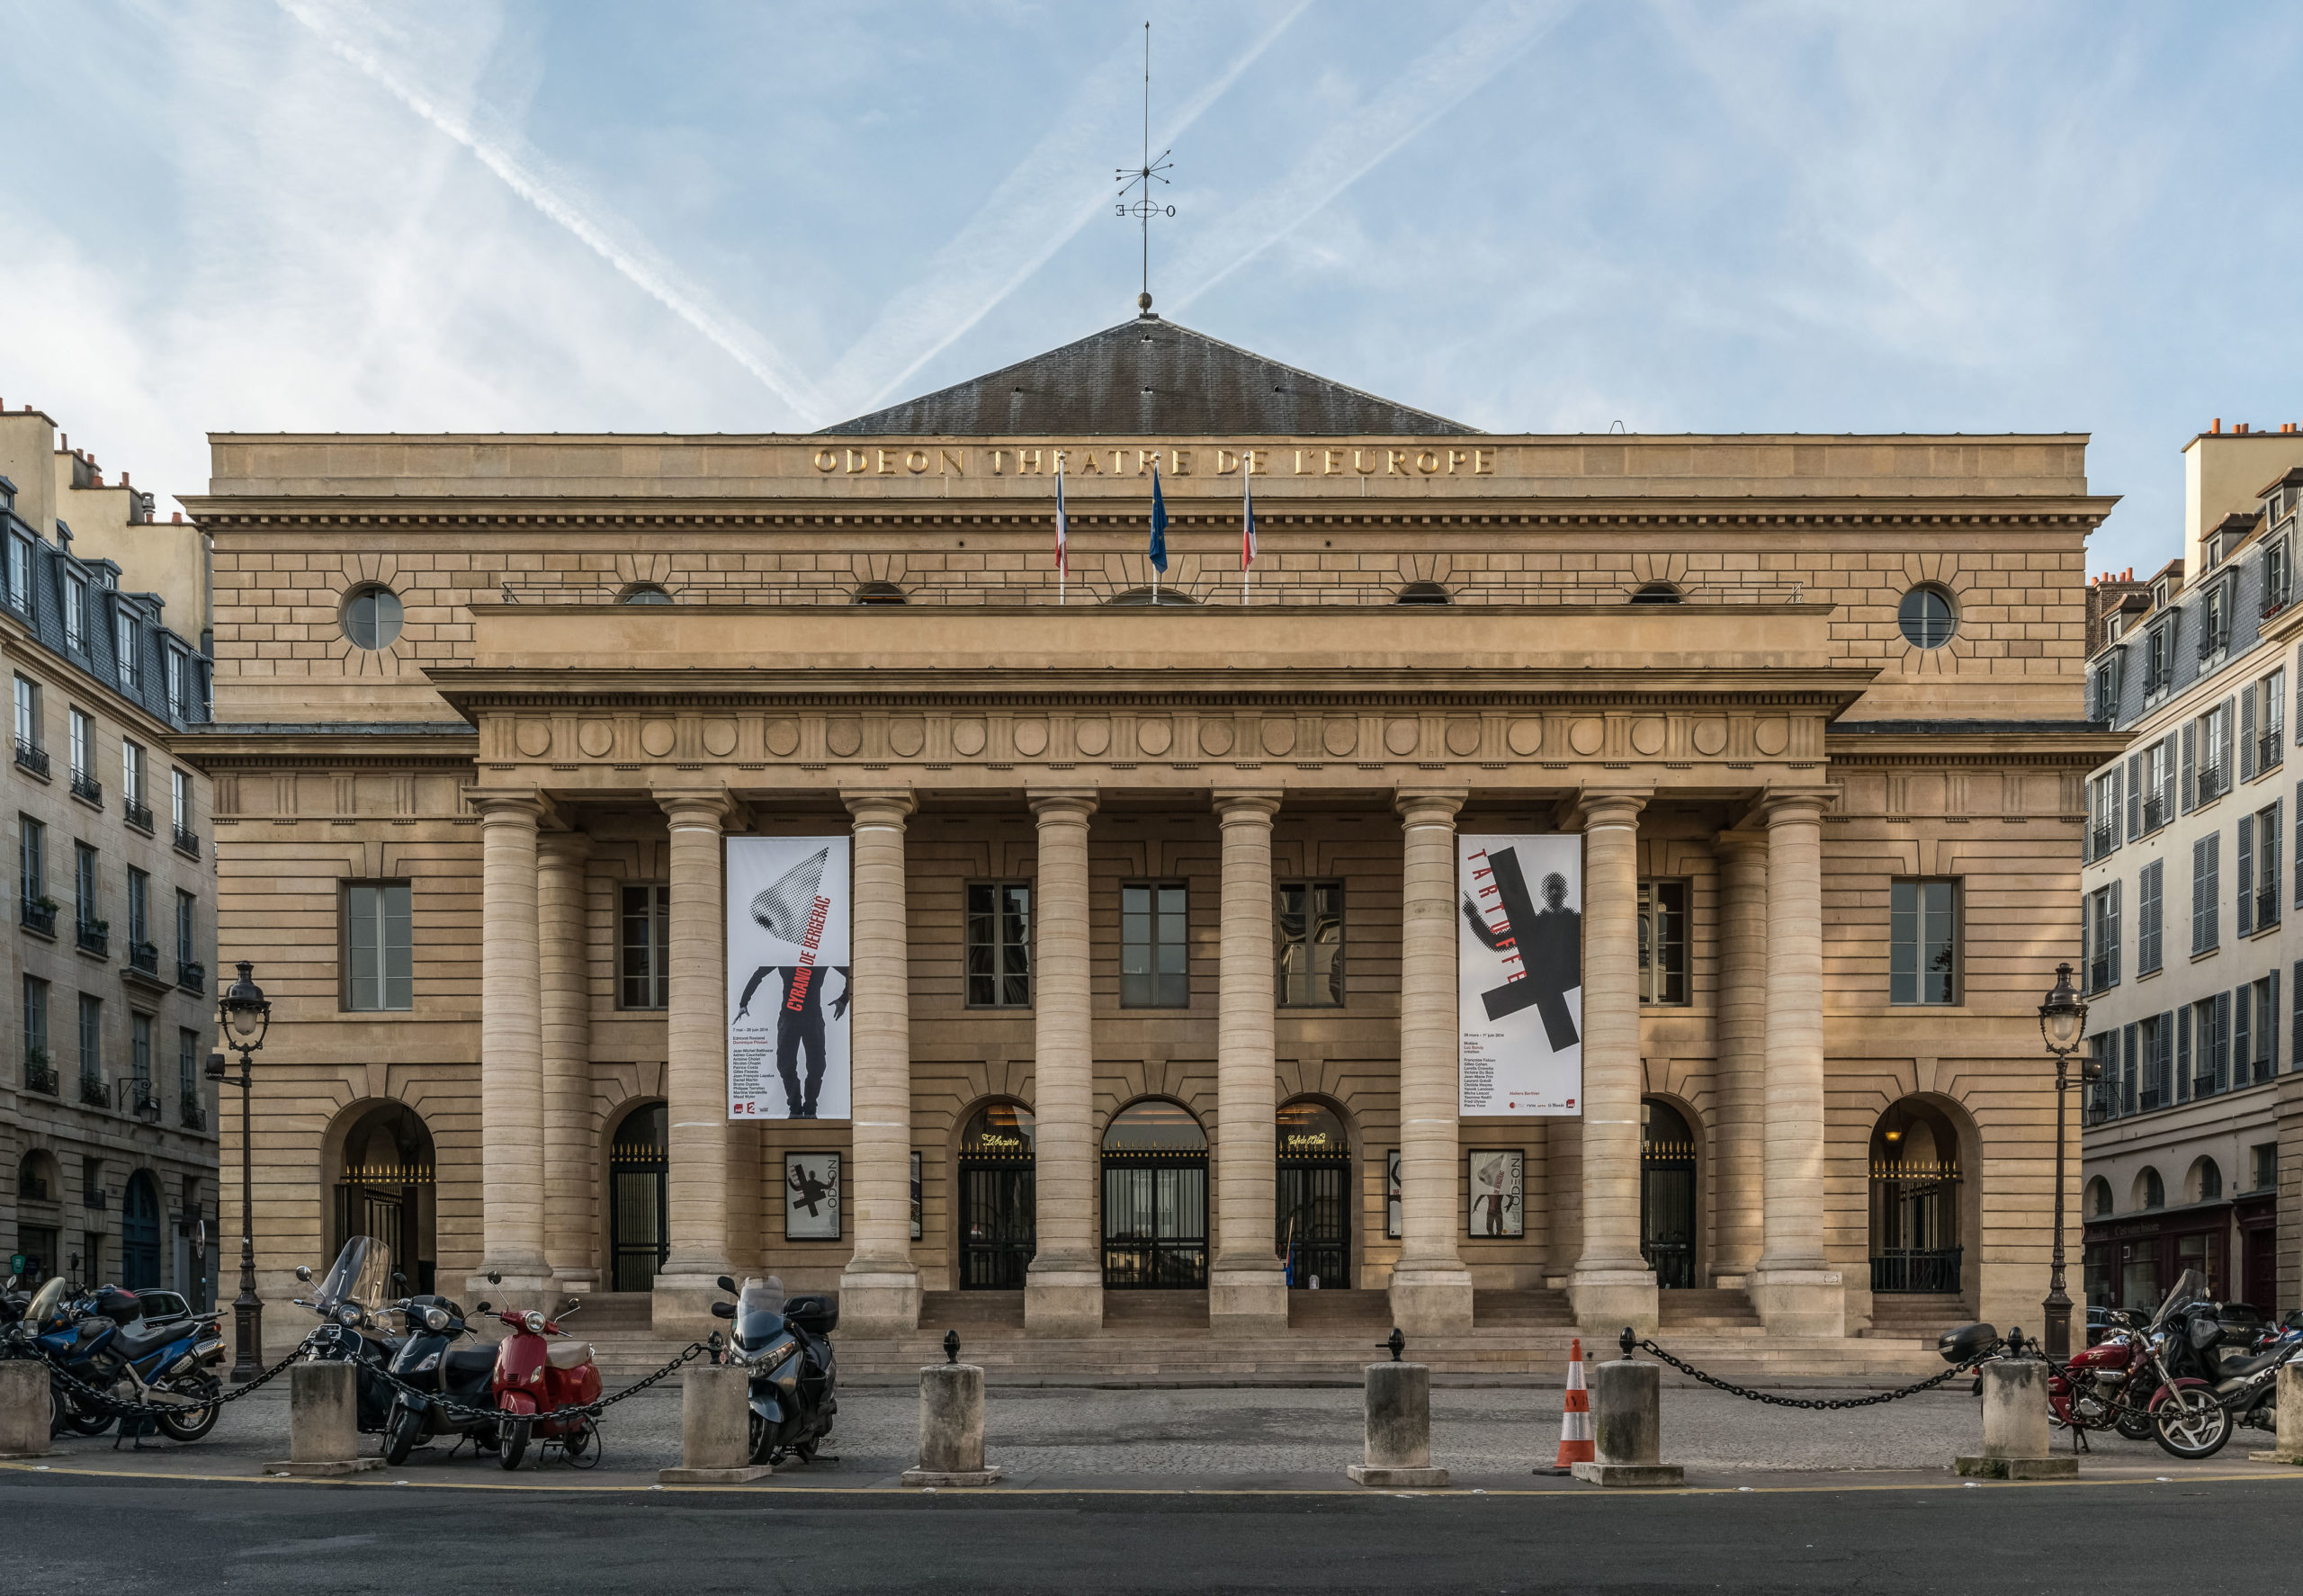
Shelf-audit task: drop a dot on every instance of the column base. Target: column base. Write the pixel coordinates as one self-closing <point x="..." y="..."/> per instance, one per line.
<point x="681" y="1305"/>
<point x="1247" y="1302"/>
<point x="878" y="1299"/>
<point x="1062" y="1299"/>
<point x="1800" y="1302"/>
<point x="1604" y="1300"/>
<point x="572" y="1282"/>
<point x="1431" y="1301"/>
<point x="527" y="1288"/>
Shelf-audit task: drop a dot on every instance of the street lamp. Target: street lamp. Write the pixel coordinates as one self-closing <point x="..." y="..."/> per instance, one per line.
<point x="246" y="1016"/>
<point x="2063" y="1021"/>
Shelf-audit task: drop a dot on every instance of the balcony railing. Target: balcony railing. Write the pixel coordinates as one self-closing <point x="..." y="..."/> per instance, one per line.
<point x="2149" y="1098"/>
<point x="2154" y="813"/>
<point x="143" y="1099"/>
<point x="38" y="914"/>
<point x="92" y="1197"/>
<point x="187" y="842"/>
<point x="2269" y="748"/>
<point x="1207" y="586"/>
<point x="137" y="814"/>
<point x="2214" y="780"/>
<point x="2099" y="840"/>
<point x="2266" y="907"/>
<point x="94" y="936"/>
<point x="93" y="1093"/>
<point x="40" y="1074"/>
<point x="192" y="975"/>
<point x="1933" y="1270"/>
<point x="2203" y="1086"/>
<point x="144" y="957"/>
<point x="32" y="1186"/>
<point x="32" y="758"/>
<point x="2262" y="1070"/>
<point x="192" y="1112"/>
<point x="2099" y="974"/>
<point x="85" y="785"/>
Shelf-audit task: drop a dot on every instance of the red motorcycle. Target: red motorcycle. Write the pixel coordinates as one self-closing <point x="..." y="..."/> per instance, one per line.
<point x="2110" y="1384"/>
<point x="535" y="1375"/>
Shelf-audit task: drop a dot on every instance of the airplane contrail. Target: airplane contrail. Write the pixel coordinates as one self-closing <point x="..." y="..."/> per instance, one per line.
<point x="530" y="176"/>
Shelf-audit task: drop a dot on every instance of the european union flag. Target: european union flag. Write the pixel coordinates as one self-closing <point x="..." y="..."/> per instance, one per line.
<point x="1158" y="525"/>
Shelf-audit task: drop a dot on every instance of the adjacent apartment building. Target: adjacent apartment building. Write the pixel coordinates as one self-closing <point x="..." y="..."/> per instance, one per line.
<point x="106" y="1122"/>
<point x="2193" y="884"/>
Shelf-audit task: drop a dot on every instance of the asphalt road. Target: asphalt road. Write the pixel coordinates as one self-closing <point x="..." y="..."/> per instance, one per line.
<point x="73" y="1533"/>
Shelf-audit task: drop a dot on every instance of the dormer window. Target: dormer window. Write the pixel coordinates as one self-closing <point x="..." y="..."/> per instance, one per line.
<point x="2158" y="659"/>
<point x="2279" y="575"/>
<point x="2162" y="592"/>
<point x="75" y="615"/>
<point x="123" y="647"/>
<point x="2215" y="621"/>
<point x="2103" y="687"/>
<point x="20" y="572"/>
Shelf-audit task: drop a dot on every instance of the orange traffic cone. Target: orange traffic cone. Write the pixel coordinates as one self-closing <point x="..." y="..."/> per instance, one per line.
<point x="1574" y="1417"/>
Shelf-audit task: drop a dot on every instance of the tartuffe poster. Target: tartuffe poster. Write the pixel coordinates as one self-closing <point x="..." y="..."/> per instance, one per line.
<point x="788" y="994"/>
<point x="1519" y="974"/>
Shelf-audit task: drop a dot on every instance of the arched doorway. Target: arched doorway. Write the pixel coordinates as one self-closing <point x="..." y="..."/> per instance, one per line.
<point x="385" y="1190"/>
<point x="1915" y="1200"/>
<point x="1314" y="1206"/>
<point x="1667" y="1194"/>
<point x="1155" y="1200"/>
<point x="638" y="1227"/>
<point x="998" y="1210"/>
<point x="139" y="1232"/>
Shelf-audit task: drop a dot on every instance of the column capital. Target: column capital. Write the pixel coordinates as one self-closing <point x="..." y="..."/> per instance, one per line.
<point x="570" y="845"/>
<point x="1739" y="842"/>
<point x="1793" y="806"/>
<point x="491" y="803"/>
<point x="1054" y="801"/>
<point x="1247" y="804"/>
<point x="1589" y="807"/>
<point x="880" y="806"/>
<point x="1429" y="806"/>
<point x="711" y="807"/>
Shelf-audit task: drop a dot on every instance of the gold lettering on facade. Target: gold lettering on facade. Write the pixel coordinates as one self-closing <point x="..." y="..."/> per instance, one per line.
<point x="1332" y="462"/>
<point x="1482" y="462"/>
<point x="1299" y="462"/>
<point x="858" y="463"/>
<point x="1180" y="462"/>
<point x="886" y="468"/>
<point x="1456" y="457"/>
<point x="951" y="465"/>
<point x="999" y="462"/>
<point x="1029" y="462"/>
<point x="1360" y="463"/>
<point x="827" y="460"/>
<point x="1395" y="462"/>
<point x="1427" y="461"/>
<point x="1257" y="466"/>
<point x="1089" y="466"/>
<point x="1226" y="462"/>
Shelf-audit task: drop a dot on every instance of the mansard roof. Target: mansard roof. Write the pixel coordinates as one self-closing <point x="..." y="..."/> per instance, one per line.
<point x="1151" y="378"/>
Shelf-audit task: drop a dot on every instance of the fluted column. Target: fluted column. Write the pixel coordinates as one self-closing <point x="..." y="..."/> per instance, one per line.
<point x="569" y="1159"/>
<point x="1739" y="1127"/>
<point x="1612" y="1284"/>
<point x="1794" y="1288"/>
<point x="1063" y="1290"/>
<point x="511" y="1049"/>
<point x="1431" y="1290"/>
<point x="695" y="1070"/>
<point x="1247" y="1287"/>
<point x="879" y="1291"/>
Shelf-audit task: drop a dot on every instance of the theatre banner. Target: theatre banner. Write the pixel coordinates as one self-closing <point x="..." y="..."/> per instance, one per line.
<point x="1519" y="974"/>
<point x="789" y="911"/>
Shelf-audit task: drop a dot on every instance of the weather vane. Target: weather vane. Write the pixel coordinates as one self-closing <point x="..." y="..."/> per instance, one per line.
<point x="1146" y="206"/>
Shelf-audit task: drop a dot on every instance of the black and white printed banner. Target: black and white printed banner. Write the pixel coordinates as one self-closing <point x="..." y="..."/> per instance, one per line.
<point x="788" y="996"/>
<point x="1519" y="974"/>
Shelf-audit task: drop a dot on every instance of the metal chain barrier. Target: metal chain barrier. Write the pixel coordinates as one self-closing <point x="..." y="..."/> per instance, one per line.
<point x="594" y="1408"/>
<point x="124" y="1408"/>
<point x="1819" y="1403"/>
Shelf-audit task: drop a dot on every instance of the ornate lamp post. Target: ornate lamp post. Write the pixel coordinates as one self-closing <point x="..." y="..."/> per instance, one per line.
<point x="2063" y="1021"/>
<point x="246" y="1016"/>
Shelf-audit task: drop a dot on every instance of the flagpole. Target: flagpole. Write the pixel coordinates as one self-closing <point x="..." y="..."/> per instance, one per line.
<point x="1247" y="522"/>
<point x="1155" y="500"/>
<point x="1062" y="534"/>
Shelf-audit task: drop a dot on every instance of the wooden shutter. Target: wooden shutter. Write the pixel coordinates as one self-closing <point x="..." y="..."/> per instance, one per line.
<point x="2190" y="766"/>
<point x="2244" y="871"/>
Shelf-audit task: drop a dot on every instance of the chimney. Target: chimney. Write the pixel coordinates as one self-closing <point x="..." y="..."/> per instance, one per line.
<point x="2239" y="427"/>
<point x="176" y="516"/>
<point x="2217" y="426"/>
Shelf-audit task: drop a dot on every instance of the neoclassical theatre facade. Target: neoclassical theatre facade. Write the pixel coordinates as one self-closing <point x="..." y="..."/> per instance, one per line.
<point x="1156" y="908"/>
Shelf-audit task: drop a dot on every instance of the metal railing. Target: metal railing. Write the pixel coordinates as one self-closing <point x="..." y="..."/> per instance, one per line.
<point x="144" y="958"/>
<point x="93" y="1093"/>
<point x="85" y="785"/>
<point x="2154" y="813"/>
<point x="34" y="1186"/>
<point x="32" y="758"/>
<point x="187" y="841"/>
<point x="2214" y="780"/>
<point x="40" y="1074"/>
<point x="2099" y="841"/>
<point x="2266" y="907"/>
<point x="2270" y="748"/>
<point x="2203" y="1086"/>
<point x="192" y="1112"/>
<point x="2099" y="974"/>
<point x="137" y="815"/>
<point x="37" y="914"/>
<point x="192" y="975"/>
<point x="1194" y="581"/>
<point x="94" y="936"/>
<point x="92" y="1197"/>
<point x="1932" y="1270"/>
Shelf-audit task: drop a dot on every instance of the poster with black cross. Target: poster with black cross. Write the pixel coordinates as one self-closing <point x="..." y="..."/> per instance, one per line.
<point x="1519" y="974"/>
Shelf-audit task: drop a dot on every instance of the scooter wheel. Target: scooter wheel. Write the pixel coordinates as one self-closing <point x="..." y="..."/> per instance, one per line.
<point x="2191" y="1423"/>
<point x="513" y="1441"/>
<point x="401" y="1432"/>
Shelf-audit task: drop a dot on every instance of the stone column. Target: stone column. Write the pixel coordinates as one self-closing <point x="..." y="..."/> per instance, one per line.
<point x="511" y="1050"/>
<point x="695" y="1071"/>
<point x="569" y="1154"/>
<point x="1738" y="1182"/>
<point x="879" y="1291"/>
<point x="1612" y="1284"/>
<point x="1794" y="1288"/>
<point x="1431" y="1290"/>
<point x="1064" y="1291"/>
<point x="1248" y="1286"/>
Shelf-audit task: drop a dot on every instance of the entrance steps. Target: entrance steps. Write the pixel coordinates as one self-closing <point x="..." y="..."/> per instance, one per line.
<point x="1898" y="1316"/>
<point x="1705" y="1309"/>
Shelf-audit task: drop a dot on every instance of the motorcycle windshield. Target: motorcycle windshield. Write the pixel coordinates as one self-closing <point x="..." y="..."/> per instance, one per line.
<point x="47" y="1305"/>
<point x="361" y="1275"/>
<point x="2191" y="1287"/>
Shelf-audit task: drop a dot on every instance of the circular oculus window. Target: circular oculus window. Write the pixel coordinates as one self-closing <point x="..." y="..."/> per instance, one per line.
<point x="1927" y="618"/>
<point x="372" y="617"/>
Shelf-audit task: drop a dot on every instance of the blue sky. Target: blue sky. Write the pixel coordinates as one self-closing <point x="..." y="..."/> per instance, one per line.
<point x="1526" y="214"/>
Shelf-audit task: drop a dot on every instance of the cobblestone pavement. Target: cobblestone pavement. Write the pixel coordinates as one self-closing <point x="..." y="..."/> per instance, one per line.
<point x="1042" y="1433"/>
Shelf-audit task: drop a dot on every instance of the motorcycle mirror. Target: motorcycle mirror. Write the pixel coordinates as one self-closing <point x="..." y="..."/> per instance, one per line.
<point x="723" y="1310"/>
<point x="482" y="1308"/>
<point x="399" y="1281"/>
<point x="494" y="1278"/>
<point x="727" y="1283"/>
<point x="304" y="1273"/>
<point x="574" y="1303"/>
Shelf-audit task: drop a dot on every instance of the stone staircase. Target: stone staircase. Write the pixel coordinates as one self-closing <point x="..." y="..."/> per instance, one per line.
<point x="1898" y="1317"/>
<point x="1706" y="1310"/>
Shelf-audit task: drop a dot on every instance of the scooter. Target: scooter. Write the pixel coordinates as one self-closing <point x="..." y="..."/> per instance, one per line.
<point x="534" y="1377"/>
<point x="351" y="1300"/>
<point x="786" y="1344"/>
<point x="2214" y="1383"/>
<point x="430" y="1360"/>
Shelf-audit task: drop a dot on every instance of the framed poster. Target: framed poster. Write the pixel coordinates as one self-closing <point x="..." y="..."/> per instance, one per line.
<point x="788" y="915"/>
<point x="915" y="1193"/>
<point x="811" y="1197"/>
<point x="1497" y="1210"/>
<point x="1391" y="1194"/>
<point x="1519" y="974"/>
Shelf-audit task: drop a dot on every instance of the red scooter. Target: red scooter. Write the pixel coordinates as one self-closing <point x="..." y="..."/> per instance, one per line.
<point x="534" y="1375"/>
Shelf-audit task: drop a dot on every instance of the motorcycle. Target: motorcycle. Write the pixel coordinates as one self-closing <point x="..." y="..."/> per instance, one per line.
<point x="97" y="1342"/>
<point x="786" y="1347"/>
<point x="430" y="1360"/>
<point x="534" y="1376"/>
<point x="2108" y="1385"/>
<point x="351" y="1300"/>
<point x="2214" y="1381"/>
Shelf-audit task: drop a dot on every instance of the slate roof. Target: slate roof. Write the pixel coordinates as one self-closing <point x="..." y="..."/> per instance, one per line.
<point x="1149" y="378"/>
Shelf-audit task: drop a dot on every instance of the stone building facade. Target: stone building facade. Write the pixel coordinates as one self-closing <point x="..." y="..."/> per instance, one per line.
<point x="489" y="706"/>
<point x="107" y="1128"/>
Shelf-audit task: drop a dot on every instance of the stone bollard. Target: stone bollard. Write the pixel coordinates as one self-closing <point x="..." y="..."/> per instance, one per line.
<point x="715" y="1428"/>
<point x="26" y="1413"/>
<point x="1627" y="1427"/>
<point x="951" y="1423"/>
<point x="324" y="1421"/>
<point x="2287" y="1446"/>
<point x="2015" y="1426"/>
<point x="1398" y="1447"/>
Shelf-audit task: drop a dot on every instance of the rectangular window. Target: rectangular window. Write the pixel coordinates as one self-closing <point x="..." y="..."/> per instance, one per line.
<point x="2102" y="930"/>
<point x="2260" y="1029"/>
<point x="2279" y="576"/>
<point x="1923" y="936"/>
<point x="83" y="888"/>
<point x="1663" y="942"/>
<point x="2149" y="915"/>
<point x="2259" y="880"/>
<point x="2214" y="744"/>
<point x="643" y="959"/>
<point x="35" y="1018"/>
<point x="27" y="714"/>
<point x="140" y="1046"/>
<point x="187" y="928"/>
<point x="91" y="1190"/>
<point x="2265" y="1165"/>
<point x="1310" y="934"/>
<point x="84" y="746"/>
<point x="139" y="906"/>
<point x="131" y="772"/>
<point x="2158" y="659"/>
<point x="2103" y="813"/>
<point x="188" y="1065"/>
<point x="92" y="1037"/>
<point x="998" y="945"/>
<point x="378" y="954"/>
<point x="1154" y="969"/>
<point x="2215" y="620"/>
<point x="75" y="615"/>
<point x="2207" y="869"/>
<point x="2103" y="688"/>
<point x="123" y="640"/>
<point x="20" y="573"/>
<point x="2211" y="1024"/>
<point x="32" y="863"/>
<point x="2269" y="715"/>
<point x="180" y="800"/>
<point x="2158" y="784"/>
<point x="177" y="704"/>
<point x="2151" y="1037"/>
